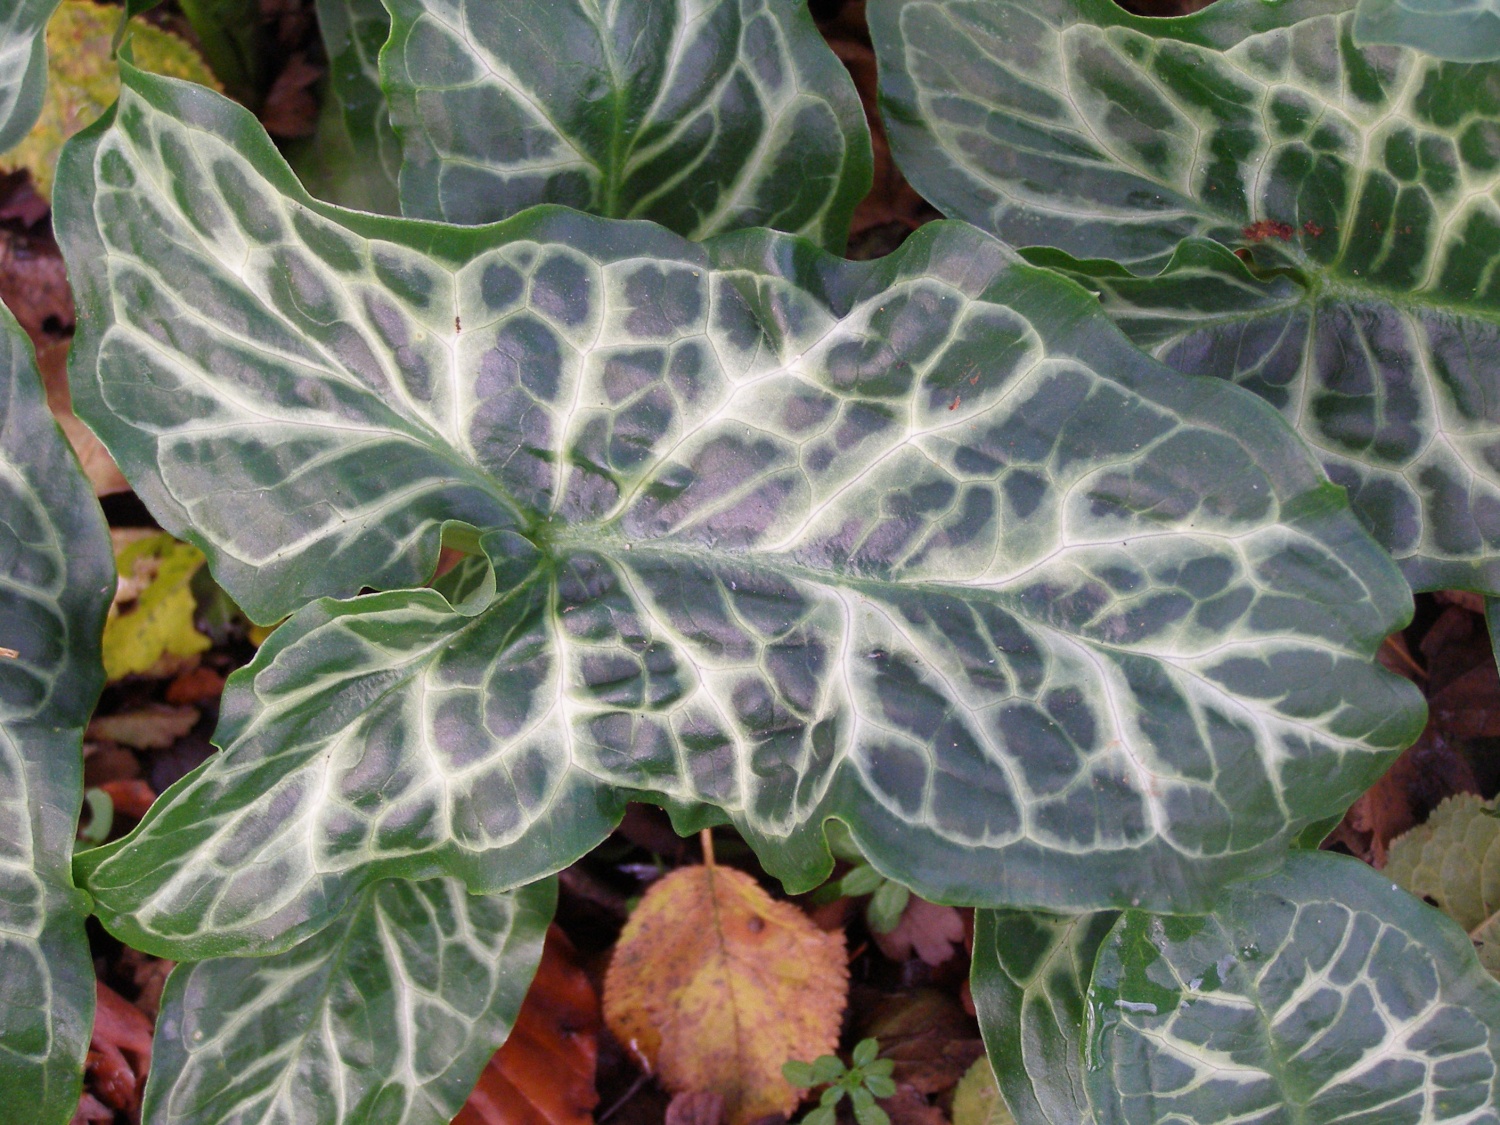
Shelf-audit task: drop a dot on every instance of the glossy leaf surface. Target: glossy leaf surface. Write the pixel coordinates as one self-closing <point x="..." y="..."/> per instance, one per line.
<point x="23" y="67"/>
<point x="1322" y="993"/>
<point x="706" y="116"/>
<point x="921" y="544"/>
<point x="58" y="577"/>
<point x="1460" y="30"/>
<point x="387" y="1016"/>
<point x="1370" y="178"/>
<point x="1030" y="980"/>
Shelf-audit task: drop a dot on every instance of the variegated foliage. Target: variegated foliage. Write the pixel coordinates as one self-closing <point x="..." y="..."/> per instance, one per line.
<point x="1362" y="184"/>
<point x="1322" y="993"/>
<point x="922" y="544"/>
<point x="387" y="1016"/>
<point x="703" y="115"/>
<point x="58" y="576"/>
<point x="23" y="66"/>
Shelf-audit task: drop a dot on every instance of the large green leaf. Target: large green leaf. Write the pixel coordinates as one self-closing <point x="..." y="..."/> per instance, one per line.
<point x="1368" y="179"/>
<point x="1030" y="978"/>
<point x="922" y="544"/>
<point x="58" y="578"/>
<point x="704" y="115"/>
<point x="1321" y="994"/>
<point x="386" y="1016"/>
<point x="1460" y="30"/>
<point x="23" y="67"/>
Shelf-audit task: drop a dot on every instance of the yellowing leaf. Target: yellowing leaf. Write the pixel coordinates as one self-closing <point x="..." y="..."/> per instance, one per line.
<point x="153" y="612"/>
<point x="83" y="81"/>
<point x="977" y="1100"/>
<point x="1453" y="861"/>
<point x="715" y="984"/>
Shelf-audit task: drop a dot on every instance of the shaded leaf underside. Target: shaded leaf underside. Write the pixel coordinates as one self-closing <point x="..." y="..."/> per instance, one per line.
<point x="1372" y="177"/>
<point x="922" y="544"/>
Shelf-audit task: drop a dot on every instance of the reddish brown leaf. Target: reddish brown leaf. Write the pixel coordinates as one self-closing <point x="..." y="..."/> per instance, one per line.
<point x="149" y="975"/>
<point x="1466" y="599"/>
<point x="907" y="1106"/>
<point x="131" y="796"/>
<point x="91" y="1110"/>
<point x="696" y="1108"/>
<point x="1429" y="771"/>
<point x="544" y="1075"/>
<point x="196" y="685"/>
<point x="927" y="930"/>
<point x="928" y="1036"/>
<point x="119" y="1052"/>
<point x="290" y="109"/>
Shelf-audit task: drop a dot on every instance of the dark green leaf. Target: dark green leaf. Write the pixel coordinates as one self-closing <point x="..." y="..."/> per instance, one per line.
<point x="58" y="579"/>
<point x="354" y="158"/>
<point x="232" y="39"/>
<point x="704" y="115"/>
<point x="921" y="544"/>
<point x="1364" y="183"/>
<point x="1460" y="30"/>
<point x="23" y="67"/>
<point x="1321" y="994"/>
<point x="1030" y="978"/>
<point x="386" y="1016"/>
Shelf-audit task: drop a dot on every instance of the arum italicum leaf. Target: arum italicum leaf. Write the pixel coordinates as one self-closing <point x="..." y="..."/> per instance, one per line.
<point x="1460" y="30"/>
<point x="1030" y="979"/>
<point x="1322" y="993"/>
<point x="1365" y="184"/>
<point x="23" y="67"/>
<point x="58" y="577"/>
<point x="921" y="544"/>
<point x="706" y="116"/>
<point x="387" y="1016"/>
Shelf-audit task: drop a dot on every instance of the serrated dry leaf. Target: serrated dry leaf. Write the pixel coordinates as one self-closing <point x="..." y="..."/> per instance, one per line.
<point x="714" y="985"/>
<point x="1453" y="861"/>
<point x="931" y="932"/>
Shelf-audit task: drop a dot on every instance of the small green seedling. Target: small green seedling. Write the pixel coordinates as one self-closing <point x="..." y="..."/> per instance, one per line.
<point x="869" y="1078"/>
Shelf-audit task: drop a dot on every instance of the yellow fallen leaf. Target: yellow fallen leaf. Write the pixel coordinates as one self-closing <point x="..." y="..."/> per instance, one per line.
<point x="152" y="615"/>
<point x="977" y="1100"/>
<point x="714" y="984"/>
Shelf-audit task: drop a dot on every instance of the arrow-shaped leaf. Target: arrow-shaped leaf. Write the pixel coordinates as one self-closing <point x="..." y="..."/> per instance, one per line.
<point x="58" y="577"/>
<point x="387" y="1016"/>
<point x="1323" y="993"/>
<point x="1364" y="183"/>
<point x="704" y="115"/>
<point x="921" y="544"/>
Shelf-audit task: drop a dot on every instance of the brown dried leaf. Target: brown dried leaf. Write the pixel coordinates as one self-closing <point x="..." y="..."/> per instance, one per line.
<point x="155" y="727"/>
<point x="929" y="931"/>
<point x="98" y="466"/>
<point x="928" y="1036"/>
<point x="907" y="1106"/>
<point x="696" y="1108"/>
<point x="1425" y="774"/>
<point x="714" y="985"/>
<point x="290" y="109"/>
<point x="195" y="685"/>
<point x="119" y="1054"/>
<point x="544" y="1075"/>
